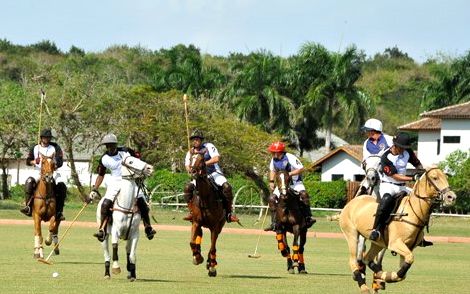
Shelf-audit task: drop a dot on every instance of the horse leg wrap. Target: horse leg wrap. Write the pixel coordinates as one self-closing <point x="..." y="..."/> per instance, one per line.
<point x="107" y="264"/>
<point x="301" y="258"/>
<point x="212" y="258"/>
<point x="403" y="270"/>
<point x="115" y="252"/>
<point x="375" y="267"/>
<point x="199" y="240"/>
<point x="280" y="244"/>
<point x="295" y="254"/>
<point x="195" y="248"/>
<point x="359" y="277"/>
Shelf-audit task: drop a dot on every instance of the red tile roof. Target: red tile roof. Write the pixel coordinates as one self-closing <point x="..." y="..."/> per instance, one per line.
<point x="424" y="124"/>
<point x="461" y="110"/>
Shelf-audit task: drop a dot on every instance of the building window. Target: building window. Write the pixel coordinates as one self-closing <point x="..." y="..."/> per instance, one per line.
<point x="438" y="146"/>
<point x="337" y="177"/>
<point x="452" y="139"/>
<point x="359" y="178"/>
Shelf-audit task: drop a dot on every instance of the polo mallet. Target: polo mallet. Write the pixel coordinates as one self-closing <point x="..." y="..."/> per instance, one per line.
<point x="46" y="261"/>
<point x="185" y="100"/>
<point x="255" y="254"/>
<point x="43" y="96"/>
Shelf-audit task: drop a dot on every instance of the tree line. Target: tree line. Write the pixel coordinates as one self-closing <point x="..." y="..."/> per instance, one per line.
<point x="243" y="102"/>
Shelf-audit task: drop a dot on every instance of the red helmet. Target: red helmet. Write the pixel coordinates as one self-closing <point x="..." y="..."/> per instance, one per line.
<point x="277" y="147"/>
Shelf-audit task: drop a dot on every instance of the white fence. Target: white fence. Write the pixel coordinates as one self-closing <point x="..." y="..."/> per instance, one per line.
<point x="251" y="195"/>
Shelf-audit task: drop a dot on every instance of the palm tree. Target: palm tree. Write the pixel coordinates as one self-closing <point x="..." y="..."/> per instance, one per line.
<point x="450" y="86"/>
<point x="332" y="94"/>
<point x="254" y="93"/>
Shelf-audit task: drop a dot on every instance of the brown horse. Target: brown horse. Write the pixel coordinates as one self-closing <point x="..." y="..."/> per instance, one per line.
<point x="290" y="219"/>
<point x="208" y="212"/>
<point x="404" y="232"/>
<point x="44" y="207"/>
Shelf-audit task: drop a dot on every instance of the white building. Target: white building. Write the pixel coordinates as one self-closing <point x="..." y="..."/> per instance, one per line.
<point x="343" y="163"/>
<point x="441" y="132"/>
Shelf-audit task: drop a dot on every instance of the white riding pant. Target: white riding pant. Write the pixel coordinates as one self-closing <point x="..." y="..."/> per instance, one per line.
<point x="297" y="186"/>
<point x="218" y="178"/>
<point x="114" y="186"/>
<point x="392" y="189"/>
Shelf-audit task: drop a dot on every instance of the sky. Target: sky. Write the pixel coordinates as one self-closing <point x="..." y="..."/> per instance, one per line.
<point x="421" y="28"/>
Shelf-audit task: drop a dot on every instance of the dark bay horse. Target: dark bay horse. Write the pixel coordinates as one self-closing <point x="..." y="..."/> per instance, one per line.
<point x="402" y="235"/>
<point x="290" y="219"/>
<point x="208" y="212"/>
<point x="44" y="207"/>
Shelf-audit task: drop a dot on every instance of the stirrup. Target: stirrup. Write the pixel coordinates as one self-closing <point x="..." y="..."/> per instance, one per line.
<point x="272" y="227"/>
<point x="26" y="210"/>
<point x="189" y="217"/>
<point x="150" y="232"/>
<point x="231" y="218"/>
<point x="100" y="235"/>
<point x="310" y="221"/>
<point x="374" y="235"/>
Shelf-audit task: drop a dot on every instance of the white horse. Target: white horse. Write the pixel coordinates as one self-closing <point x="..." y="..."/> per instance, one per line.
<point x="126" y="217"/>
<point x="371" y="181"/>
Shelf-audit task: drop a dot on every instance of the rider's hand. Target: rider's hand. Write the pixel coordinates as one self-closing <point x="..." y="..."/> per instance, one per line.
<point x="37" y="160"/>
<point x="271" y="186"/>
<point x="93" y="194"/>
<point x="416" y="177"/>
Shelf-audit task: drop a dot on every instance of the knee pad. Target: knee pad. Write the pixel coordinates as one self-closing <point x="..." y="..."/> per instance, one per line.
<point x="30" y="185"/>
<point x="142" y="205"/>
<point x="61" y="190"/>
<point x="106" y="207"/>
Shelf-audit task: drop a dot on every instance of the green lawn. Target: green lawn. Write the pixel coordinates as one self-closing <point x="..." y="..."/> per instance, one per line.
<point x="164" y="264"/>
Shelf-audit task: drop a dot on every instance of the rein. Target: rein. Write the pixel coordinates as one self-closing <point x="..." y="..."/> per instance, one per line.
<point x="432" y="201"/>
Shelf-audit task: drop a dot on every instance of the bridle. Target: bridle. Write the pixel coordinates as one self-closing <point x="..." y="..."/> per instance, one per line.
<point x="432" y="201"/>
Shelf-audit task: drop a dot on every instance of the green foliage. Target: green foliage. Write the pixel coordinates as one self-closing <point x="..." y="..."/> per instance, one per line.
<point x="457" y="165"/>
<point x="167" y="181"/>
<point x="325" y="194"/>
<point x="47" y="47"/>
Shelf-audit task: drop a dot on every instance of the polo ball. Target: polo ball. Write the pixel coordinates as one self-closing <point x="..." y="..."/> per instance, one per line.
<point x="55" y="274"/>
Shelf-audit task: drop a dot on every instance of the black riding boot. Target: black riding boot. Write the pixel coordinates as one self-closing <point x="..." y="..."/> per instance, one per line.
<point x="61" y="193"/>
<point x="188" y="196"/>
<point x="29" y="188"/>
<point x="272" y="209"/>
<point x="144" y="213"/>
<point x="106" y="213"/>
<point x="227" y="191"/>
<point x="305" y="207"/>
<point x="384" y="209"/>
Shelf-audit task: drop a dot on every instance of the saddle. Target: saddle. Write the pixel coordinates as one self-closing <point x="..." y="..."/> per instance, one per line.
<point x="398" y="197"/>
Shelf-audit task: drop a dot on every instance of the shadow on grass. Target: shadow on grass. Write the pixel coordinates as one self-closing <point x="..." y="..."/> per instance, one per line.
<point x="79" y="262"/>
<point x="255" y="277"/>
<point x="156" y="281"/>
<point x="329" y="274"/>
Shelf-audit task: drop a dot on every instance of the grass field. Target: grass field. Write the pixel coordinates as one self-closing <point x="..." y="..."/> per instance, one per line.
<point x="164" y="264"/>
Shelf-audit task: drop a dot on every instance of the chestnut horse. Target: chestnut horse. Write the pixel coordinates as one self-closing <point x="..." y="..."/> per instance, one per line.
<point x="403" y="233"/>
<point x="44" y="207"/>
<point x="208" y="212"/>
<point x="290" y="219"/>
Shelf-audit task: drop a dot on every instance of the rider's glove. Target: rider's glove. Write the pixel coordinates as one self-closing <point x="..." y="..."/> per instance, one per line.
<point x="38" y="160"/>
<point x="416" y="177"/>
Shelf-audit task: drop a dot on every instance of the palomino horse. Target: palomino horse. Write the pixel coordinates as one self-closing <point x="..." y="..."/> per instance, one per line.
<point x="208" y="212"/>
<point x="44" y="207"/>
<point x="126" y="217"/>
<point x="290" y="219"/>
<point x="403" y="233"/>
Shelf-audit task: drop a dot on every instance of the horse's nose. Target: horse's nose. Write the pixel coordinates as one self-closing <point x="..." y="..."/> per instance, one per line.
<point x="450" y="196"/>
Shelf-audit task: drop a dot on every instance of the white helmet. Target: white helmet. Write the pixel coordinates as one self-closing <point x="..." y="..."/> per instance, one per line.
<point x="109" y="139"/>
<point x="372" y="124"/>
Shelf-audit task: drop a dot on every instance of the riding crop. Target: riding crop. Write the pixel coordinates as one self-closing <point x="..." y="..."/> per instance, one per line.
<point x="255" y="254"/>
<point x="185" y="100"/>
<point x="46" y="261"/>
<point x="43" y="96"/>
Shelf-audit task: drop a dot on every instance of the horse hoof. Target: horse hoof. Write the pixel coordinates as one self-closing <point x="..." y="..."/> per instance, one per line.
<point x="198" y="260"/>
<point x="36" y="255"/>
<point x="57" y="251"/>
<point x="107" y="277"/>
<point x="291" y="271"/>
<point x="116" y="270"/>
<point x="303" y="272"/>
<point x="212" y="272"/>
<point x="132" y="279"/>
